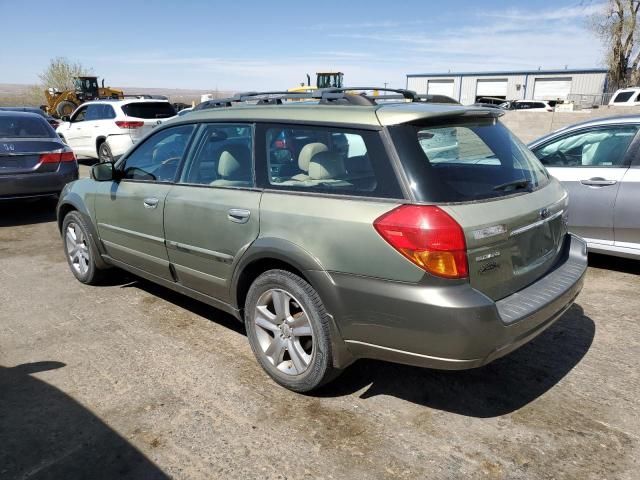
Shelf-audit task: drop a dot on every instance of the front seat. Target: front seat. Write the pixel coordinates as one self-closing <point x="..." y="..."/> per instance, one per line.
<point x="306" y="154"/>
<point x="234" y="167"/>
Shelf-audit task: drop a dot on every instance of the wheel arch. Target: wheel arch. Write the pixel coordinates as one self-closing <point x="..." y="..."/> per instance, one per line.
<point x="100" y="139"/>
<point x="266" y="254"/>
<point x="271" y="253"/>
<point x="73" y="202"/>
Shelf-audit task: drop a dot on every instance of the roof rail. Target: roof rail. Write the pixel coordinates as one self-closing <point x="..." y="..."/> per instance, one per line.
<point x="326" y="96"/>
<point x="146" y="96"/>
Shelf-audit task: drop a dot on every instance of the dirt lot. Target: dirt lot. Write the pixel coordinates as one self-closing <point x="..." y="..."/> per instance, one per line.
<point x="130" y="380"/>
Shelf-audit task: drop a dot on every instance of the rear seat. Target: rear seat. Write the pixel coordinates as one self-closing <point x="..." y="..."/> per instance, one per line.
<point x="304" y="158"/>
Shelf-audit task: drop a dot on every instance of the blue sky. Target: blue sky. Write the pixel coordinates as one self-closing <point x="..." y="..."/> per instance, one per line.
<point x="242" y="44"/>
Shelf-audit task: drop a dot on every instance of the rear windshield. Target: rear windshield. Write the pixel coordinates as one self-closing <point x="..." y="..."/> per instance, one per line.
<point x="25" y="126"/>
<point x="149" y="110"/>
<point x="623" y="97"/>
<point x="467" y="160"/>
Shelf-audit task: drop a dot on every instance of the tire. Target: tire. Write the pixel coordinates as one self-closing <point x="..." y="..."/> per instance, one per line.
<point x="65" y="108"/>
<point x="278" y="334"/>
<point x="78" y="249"/>
<point x="104" y="153"/>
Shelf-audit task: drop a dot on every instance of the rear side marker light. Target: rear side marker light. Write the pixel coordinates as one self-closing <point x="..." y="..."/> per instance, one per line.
<point x="128" y="124"/>
<point x="57" y="157"/>
<point x="428" y="237"/>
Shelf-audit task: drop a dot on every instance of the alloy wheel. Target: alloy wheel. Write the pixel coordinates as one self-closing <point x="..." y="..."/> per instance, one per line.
<point x="77" y="248"/>
<point x="284" y="332"/>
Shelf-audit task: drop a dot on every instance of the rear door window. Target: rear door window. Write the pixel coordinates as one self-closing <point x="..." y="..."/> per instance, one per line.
<point x="622" y="97"/>
<point x="468" y="160"/>
<point x="94" y="112"/>
<point x="149" y="110"/>
<point x="222" y="157"/>
<point x="600" y="147"/>
<point x="327" y="160"/>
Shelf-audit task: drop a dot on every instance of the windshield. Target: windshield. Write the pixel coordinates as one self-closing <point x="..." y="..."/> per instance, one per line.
<point x="467" y="160"/>
<point x="149" y="110"/>
<point x="25" y="126"/>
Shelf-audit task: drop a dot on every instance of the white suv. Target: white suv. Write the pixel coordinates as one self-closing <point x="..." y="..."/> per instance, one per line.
<point x="105" y="129"/>
<point x="528" y="106"/>
<point x="626" y="97"/>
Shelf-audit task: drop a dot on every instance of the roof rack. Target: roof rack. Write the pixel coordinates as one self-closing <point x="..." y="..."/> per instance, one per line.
<point x="146" y="96"/>
<point x="326" y="96"/>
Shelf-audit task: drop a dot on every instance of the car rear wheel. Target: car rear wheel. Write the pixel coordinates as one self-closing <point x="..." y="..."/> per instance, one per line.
<point x="104" y="153"/>
<point x="288" y="329"/>
<point x="79" y="250"/>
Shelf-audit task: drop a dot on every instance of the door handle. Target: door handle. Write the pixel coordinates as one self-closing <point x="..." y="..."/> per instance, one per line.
<point x="150" y="202"/>
<point x="238" y="215"/>
<point x="598" y="182"/>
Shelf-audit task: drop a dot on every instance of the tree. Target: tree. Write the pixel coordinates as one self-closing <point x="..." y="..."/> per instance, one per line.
<point x="60" y="72"/>
<point x="617" y="26"/>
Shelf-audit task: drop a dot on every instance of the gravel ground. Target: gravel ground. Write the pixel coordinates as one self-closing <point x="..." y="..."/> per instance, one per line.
<point x="130" y="380"/>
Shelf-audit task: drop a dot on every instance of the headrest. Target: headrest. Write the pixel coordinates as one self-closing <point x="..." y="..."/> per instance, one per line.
<point x="308" y="152"/>
<point x="235" y="161"/>
<point x="326" y="166"/>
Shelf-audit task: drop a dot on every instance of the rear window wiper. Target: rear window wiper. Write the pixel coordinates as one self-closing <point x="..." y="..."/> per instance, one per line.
<point x="514" y="185"/>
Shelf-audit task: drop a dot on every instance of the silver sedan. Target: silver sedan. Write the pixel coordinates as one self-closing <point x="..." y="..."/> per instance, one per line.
<point x="598" y="162"/>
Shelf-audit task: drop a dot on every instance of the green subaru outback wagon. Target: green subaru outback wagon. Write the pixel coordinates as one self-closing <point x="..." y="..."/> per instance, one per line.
<point x="346" y="227"/>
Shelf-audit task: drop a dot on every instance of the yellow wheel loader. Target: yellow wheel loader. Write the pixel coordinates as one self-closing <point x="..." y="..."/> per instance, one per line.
<point x="323" y="80"/>
<point x="60" y="104"/>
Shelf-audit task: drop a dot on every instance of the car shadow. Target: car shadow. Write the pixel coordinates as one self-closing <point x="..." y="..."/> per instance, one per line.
<point x="499" y="388"/>
<point x="619" y="264"/>
<point x="15" y="213"/>
<point x="187" y="303"/>
<point x="45" y="434"/>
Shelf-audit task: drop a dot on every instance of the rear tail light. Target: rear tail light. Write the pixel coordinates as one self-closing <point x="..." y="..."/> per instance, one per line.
<point x="129" y="124"/>
<point x="428" y="237"/>
<point x="57" y="157"/>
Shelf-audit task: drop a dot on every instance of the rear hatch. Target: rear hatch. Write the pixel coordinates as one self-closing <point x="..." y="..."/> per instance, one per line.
<point x="144" y="116"/>
<point x="511" y="211"/>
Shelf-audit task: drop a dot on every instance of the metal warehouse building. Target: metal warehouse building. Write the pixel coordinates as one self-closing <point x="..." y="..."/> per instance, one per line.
<point x="467" y="87"/>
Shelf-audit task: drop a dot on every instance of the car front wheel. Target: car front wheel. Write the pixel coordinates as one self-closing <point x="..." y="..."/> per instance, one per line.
<point x="78" y="249"/>
<point x="288" y="329"/>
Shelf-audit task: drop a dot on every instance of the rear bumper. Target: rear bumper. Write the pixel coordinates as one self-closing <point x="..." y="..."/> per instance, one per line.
<point x="450" y="327"/>
<point x="37" y="184"/>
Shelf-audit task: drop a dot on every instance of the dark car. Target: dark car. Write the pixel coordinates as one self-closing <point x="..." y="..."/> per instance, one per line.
<point x="34" y="162"/>
<point x="54" y="122"/>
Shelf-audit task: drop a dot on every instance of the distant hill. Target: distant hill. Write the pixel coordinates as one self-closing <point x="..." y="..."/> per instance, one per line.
<point x="21" y="94"/>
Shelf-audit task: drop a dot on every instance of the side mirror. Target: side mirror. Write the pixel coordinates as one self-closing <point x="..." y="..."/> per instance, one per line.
<point x="65" y="118"/>
<point x="103" y="172"/>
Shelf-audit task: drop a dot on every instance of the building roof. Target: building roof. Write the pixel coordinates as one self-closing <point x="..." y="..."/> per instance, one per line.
<point x="509" y="72"/>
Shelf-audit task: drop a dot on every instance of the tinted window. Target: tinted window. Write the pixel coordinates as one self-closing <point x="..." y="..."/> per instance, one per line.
<point x="622" y="97"/>
<point x="149" y="110"/>
<point x="328" y="160"/>
<point x="222" y="157"/>
<point x="80" y="116"/>
<point x="158" y="157"/>
<point x="25" y="126"/>
<point x="94" y="112"/>
<point x="602" y="147"/>
<point x="466" y="160"/>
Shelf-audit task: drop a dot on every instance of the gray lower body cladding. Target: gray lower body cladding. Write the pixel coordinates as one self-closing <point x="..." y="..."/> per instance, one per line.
<point x="37" y="184"/>
<point x="453" y="327"/>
